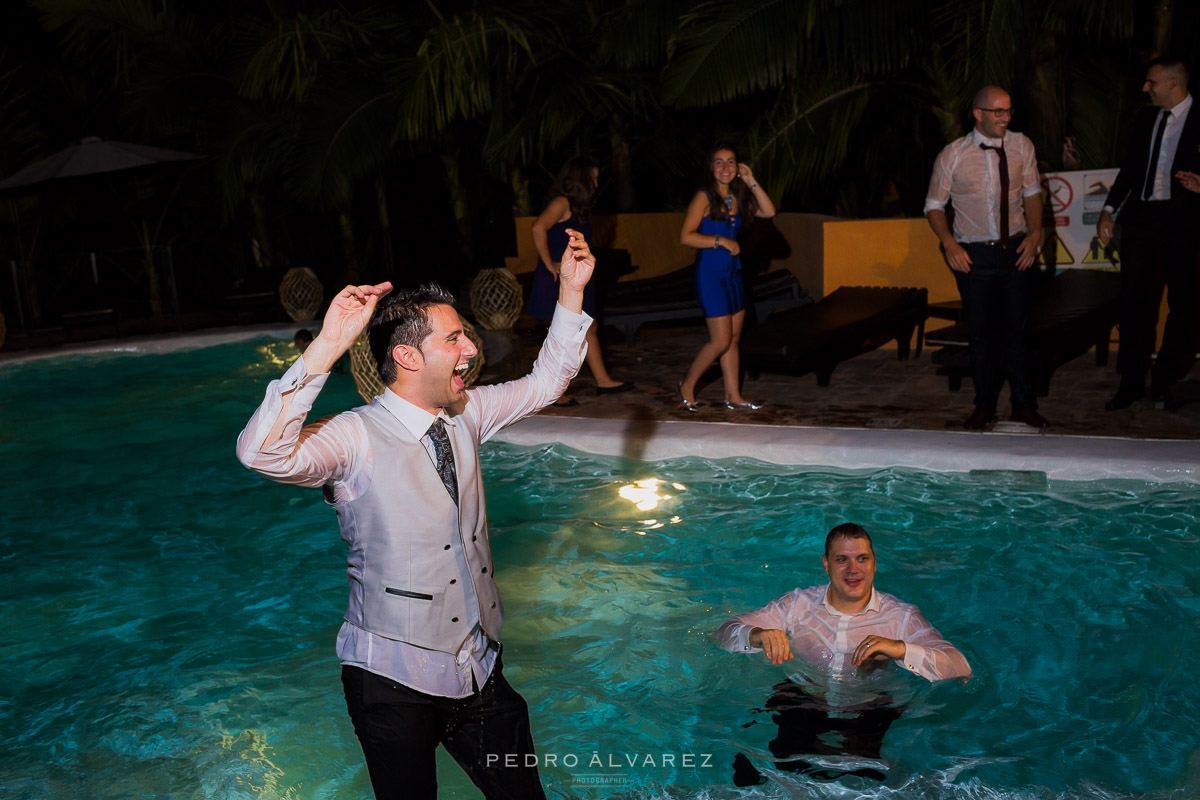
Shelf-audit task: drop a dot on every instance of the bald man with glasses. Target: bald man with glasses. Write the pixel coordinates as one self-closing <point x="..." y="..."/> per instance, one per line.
<point x="990" y="179"/>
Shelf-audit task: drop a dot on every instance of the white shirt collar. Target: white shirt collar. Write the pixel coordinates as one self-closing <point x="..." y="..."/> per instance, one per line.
<point x="417" y="420"/>
<point x="1180" y="108"/>
<point x="979" y="138"/>
<point x="872" y="604"/>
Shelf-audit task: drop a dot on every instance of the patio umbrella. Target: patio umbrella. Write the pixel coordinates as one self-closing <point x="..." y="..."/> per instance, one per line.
<point x="92" y="156"/>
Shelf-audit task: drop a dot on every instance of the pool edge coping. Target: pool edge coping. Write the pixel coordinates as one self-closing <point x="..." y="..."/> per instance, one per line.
<point x="1059" y="457"/>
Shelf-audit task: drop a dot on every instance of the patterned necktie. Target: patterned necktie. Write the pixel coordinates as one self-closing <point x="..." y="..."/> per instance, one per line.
<point x="445" y="457"/>
<point x="1155" y="149"/>
<point x="1003" y="191"/>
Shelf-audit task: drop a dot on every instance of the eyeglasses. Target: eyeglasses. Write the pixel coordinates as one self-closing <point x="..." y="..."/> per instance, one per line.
<point x="998" y="112"/>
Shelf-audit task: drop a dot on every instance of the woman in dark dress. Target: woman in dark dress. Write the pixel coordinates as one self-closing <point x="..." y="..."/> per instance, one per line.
<point x="569" y="207"/>
<point x="716" y="213"/>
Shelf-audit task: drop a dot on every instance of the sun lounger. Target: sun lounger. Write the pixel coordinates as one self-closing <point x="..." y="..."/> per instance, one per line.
<point x="629" y="305"/>
<point x="1071" y="313"/>
<point x="849" y="322"/>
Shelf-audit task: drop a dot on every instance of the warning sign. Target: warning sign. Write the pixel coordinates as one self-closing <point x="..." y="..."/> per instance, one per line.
<point x="1058" y="192"/>
<point x="1099" y="254"/>
<point x="1055" y="252"/>
<point x="1072" y="205"/>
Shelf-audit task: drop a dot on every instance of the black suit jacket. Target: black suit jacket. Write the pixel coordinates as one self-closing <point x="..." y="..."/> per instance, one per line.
<point x="1128" y="185"/>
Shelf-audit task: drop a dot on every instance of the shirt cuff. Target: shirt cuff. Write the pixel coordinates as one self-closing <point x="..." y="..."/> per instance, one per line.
<point x="1109" y="209"/>
<point x="914" y="657"/>
<point x="568" y="322"/>
<point x="1031" y="191"/>
<point x="934" y="205"/>
<point x="741" y="638"/>
<point x="305" y="386"/>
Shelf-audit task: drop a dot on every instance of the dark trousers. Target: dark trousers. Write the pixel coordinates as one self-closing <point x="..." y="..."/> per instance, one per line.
<point x="400" y="728"/>
<point x="1157" y="246"/>
<point x="810" y="726"/>
<point x="995" y="297"/>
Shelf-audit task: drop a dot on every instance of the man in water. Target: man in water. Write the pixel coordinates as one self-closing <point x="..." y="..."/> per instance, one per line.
<point x="419" y="645"/>
<point x="845" y="629"/>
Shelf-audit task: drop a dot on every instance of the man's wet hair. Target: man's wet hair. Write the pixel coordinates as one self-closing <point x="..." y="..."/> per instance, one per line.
<point x="403" y="318"/>
<point x="848" y="530"/>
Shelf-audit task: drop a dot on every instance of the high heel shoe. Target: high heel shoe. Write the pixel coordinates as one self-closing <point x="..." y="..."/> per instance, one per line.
<point x="684" y="404"/>
<point x="732" y="406"/>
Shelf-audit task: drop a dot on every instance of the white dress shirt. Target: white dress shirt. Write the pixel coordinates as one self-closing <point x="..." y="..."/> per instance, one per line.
<point x="1176" y="119"/>
<point x="969" y="177"/>
<point x="826" y="638"/>
<point x="334" y="453"/>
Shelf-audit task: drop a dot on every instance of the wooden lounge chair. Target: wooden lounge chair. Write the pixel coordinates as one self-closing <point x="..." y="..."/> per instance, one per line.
<point x="849" y="322"/>
<point x="629" y="305"/>
<point x="1071" y="313"/>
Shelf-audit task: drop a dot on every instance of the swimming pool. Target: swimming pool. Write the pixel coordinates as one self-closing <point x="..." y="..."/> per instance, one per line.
<point x="169" y="618"/>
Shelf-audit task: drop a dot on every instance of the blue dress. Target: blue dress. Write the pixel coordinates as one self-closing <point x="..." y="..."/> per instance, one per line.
<point x="544" y="295"/>
<point x="719" y="272"/>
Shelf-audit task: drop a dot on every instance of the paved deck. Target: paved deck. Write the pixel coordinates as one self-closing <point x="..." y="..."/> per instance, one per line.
<point x="874" y="390"/>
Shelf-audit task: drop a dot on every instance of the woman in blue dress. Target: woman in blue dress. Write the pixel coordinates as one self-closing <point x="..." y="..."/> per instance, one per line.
<point x="730" y="195"/>
<point x="569" y="207"/>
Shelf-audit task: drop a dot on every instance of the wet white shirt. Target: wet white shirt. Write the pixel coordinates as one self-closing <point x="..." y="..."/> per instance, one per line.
<point x="334" y="452"/>
<point x="968" y="176"/>
<point x="826" y="638"/>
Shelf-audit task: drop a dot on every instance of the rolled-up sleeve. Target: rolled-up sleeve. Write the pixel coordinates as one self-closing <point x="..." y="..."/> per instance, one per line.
<point x="939" y="183"/>
<point x="1031" y="181"/>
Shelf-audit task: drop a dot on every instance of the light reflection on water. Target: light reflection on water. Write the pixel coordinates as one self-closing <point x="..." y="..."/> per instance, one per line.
<point x="168" y="619"/>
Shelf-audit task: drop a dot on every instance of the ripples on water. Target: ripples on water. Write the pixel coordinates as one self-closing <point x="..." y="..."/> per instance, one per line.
<point x="168" y="619"/>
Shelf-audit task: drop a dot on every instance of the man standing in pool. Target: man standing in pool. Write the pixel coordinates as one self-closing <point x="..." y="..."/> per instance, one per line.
<point x="845" y="629"/>
<point x="419" y="645"/>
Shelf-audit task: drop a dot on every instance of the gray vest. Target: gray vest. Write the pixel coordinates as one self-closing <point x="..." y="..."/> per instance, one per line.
<point x="404" y="579"/>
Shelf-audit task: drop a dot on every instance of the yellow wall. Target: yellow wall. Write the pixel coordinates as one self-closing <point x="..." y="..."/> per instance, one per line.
<point x="886" y="252"/>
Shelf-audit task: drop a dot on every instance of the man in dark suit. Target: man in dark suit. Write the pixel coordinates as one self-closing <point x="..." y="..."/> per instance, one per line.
<point x="1159" y="230"/>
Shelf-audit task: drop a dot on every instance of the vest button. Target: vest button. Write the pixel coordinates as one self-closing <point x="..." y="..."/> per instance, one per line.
<point x="454" y="619"/>
<point x="485" y="570"/>
<point x="447" y="547"/>
<point x="493" y="605"/>
<point x="473" y="538"/>
<point x="453" y="581"/>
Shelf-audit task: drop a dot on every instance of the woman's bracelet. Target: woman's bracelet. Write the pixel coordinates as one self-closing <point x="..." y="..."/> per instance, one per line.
<point x="716" y="242"/>
<point x="753" y="187"/>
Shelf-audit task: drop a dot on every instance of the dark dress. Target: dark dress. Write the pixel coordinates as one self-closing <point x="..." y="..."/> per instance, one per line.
<point x="544" y="295"/>
<point x="719" y="272"/>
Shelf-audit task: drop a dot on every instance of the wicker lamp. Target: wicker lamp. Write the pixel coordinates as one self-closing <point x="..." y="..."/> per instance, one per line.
<point x="301" y="293"/>
<point x="496" y="298"/>
<point x="366" y="371"/>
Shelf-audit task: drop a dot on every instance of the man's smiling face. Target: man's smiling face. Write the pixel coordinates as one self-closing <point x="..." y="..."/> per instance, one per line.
<point x="850" y="565"/>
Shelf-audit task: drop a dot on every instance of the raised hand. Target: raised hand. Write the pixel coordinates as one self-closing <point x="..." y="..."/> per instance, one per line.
<point x="575" y="269"/>
<point x="344" y="322"/>
<point x="745" y="174"/>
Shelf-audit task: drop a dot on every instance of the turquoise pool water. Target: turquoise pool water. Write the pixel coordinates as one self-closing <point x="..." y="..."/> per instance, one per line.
<point x="167" y="621"/>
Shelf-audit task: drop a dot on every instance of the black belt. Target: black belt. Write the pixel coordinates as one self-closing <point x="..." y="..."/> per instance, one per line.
<point x="1014" y="239"/>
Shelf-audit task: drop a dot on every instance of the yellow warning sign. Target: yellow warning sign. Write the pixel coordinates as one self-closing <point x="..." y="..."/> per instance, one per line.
<point x="1055" y="252"/>
<point x="1099" y="254"/>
